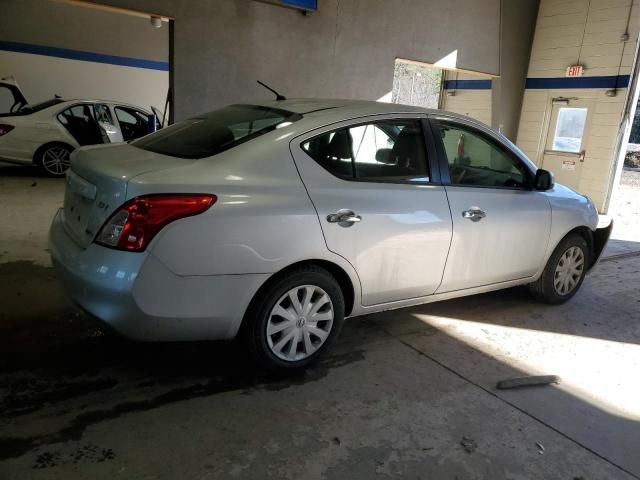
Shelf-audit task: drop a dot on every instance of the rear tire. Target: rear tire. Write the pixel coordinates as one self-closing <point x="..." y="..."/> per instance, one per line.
<point x="53" y="159"/>
<point x="295" y="320"/>
<point x="564" y="273"/>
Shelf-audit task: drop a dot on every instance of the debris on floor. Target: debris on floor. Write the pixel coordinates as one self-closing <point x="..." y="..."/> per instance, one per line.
<point x="540" y="448"/>
<point x="530" y="381"/>
<point x="469" y="444"/>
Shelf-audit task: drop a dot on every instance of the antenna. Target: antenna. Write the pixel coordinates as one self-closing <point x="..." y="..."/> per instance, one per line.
<point x="278" y="96"/>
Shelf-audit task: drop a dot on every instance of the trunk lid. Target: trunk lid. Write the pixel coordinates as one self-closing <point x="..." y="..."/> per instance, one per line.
<point x="96" y="185"/>
<point x="11" y="86"/>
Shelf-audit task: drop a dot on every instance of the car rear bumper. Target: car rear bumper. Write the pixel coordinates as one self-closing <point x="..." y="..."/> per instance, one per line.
<point x="139" y="297"/>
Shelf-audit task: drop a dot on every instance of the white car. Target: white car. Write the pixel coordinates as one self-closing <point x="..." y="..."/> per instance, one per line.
<point x="279" y="220"/>
<point x="46" y="133"/>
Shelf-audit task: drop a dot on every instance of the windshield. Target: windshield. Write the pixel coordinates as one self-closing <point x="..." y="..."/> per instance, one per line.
<point x="216" y="132"/>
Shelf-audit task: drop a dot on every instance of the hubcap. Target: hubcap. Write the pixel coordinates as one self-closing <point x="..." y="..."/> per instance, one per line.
<point x="300" y="323"/>
<point x="569" y="271"/>
<point x="55" y="160"/>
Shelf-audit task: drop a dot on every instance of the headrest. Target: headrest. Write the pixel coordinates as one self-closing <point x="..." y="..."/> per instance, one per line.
<point x="340" y="145"/>
<point x="407" y="149"/>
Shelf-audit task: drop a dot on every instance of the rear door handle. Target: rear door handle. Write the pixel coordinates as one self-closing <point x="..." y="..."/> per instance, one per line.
<point x="474" y="214"/>
<point x="344" y="216"/>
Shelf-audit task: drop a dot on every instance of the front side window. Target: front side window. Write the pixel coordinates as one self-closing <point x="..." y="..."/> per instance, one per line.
<point x="569" y="129"/>
<point x="385" y="151"/>
<point x="217" y="131"/>
<point x="477" y="160"/>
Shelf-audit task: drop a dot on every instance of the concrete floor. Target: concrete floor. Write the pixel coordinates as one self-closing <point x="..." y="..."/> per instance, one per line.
<point x="406" y="393"/>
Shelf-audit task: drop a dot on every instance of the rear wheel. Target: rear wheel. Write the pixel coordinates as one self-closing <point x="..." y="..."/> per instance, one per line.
<point x="53" y="159"/>
<point x="295" y="319"/>
<point x="565" y="271"/>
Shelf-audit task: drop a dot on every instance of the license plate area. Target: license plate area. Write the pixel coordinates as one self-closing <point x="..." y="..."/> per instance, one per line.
<point x="79" y="198"/>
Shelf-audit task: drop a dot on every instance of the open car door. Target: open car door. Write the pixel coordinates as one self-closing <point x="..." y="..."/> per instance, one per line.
<point x="11" y="97"/>
<point x="160" y="120"/>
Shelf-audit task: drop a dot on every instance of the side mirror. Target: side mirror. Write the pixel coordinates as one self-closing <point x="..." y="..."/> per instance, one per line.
<point x="544" y="180"/>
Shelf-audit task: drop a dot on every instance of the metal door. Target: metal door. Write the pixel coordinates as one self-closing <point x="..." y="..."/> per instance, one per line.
<point x="565" y="152"/>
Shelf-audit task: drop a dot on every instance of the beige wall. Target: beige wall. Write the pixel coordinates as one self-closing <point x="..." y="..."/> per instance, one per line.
<point x="586" y="32"/>
<point x="471" y="103"/>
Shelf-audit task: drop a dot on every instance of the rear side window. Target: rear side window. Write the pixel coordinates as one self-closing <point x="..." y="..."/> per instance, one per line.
<point x="384" y="151"/>
<point x="216" y="132"/>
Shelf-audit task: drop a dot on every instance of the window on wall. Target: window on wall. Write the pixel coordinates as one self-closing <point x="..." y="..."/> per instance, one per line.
<point x="477" y="160"/>
<point x="385" y="151"/>
<point x="569" y="129"/>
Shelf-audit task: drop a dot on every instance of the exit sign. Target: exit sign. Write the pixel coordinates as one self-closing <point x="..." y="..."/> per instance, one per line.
<point x="575" y="71"/>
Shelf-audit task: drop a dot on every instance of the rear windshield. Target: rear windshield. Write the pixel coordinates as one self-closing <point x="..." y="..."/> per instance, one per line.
<point x="216" y="132"/>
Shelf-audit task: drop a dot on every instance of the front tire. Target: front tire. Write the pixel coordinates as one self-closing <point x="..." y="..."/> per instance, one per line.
<point x="565" y="271"/>
<point x="295" y="320"/>
<point x="54" y="159"/>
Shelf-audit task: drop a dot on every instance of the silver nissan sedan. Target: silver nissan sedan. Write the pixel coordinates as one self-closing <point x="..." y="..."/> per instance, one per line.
<point x="277" y="220"/>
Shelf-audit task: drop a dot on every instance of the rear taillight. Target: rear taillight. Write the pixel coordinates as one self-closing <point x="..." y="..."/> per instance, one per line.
<point x="4" y="128"/>
<point x="135" y="224"/>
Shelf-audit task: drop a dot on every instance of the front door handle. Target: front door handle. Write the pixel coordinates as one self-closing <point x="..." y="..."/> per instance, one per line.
<point x="474" y="214"/>
<point x="344" y="217"/>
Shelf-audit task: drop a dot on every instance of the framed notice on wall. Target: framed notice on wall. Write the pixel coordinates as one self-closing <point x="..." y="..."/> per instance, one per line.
<point x="310" y="5"/>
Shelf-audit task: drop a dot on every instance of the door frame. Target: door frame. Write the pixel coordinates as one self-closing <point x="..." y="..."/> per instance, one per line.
<point x="435" y="181"/>
<point x="529" y="189"/>
<point x="548" y="124"/>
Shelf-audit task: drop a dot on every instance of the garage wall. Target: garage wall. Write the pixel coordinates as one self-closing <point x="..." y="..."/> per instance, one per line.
<point x="345" y="50"/>
<point x="586" y="32"/>
<point x="468" y="95"/>
<point x="77" y="52"/>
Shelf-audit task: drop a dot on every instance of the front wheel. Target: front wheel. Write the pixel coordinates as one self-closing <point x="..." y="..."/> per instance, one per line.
<point x="565" y="271"/>
<point x="54" y="159"/>
<point x="295" y="319"/>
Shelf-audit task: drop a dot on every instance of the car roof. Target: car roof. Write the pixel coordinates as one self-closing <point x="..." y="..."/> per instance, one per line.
<point x="318" y="113"/>
<point x="325" y="111"/>
<point x="95" y="100"/>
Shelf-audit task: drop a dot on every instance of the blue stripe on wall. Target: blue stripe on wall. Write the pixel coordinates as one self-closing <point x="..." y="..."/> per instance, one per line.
<point x="84" y="56"/>
<point x="467" y="84"/>
<point x="307" y="4"/>
<point x="611" y="81"/>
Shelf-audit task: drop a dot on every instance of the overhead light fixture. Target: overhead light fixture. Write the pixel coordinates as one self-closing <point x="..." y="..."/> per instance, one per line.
<point x="156" y="22"/>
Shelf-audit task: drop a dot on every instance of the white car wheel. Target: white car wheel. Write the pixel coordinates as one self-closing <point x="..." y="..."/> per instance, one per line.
<point x="300" y="322"/>
<point x="294" y="319"/>
<point x="564" y="272"/>
<point x="569" y="271"/>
